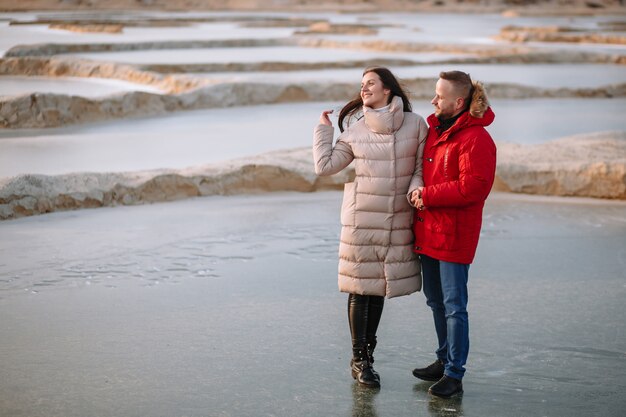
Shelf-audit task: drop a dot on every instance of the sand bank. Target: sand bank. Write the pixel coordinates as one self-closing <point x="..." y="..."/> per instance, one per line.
<point x="43" y="110"/>
<point x="557" y="34"/>
<point x="187" y="92"/>
<point x="592" y="165"/>
<point x="585" y="166"/>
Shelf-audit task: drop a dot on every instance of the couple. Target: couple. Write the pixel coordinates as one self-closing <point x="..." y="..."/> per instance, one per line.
<point x="414" y="208"/>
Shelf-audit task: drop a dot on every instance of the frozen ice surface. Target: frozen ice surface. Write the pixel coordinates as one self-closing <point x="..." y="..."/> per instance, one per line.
<point x="228" y="306"/>
<point x="199" y="137"/>
<point x="75" y="86"/>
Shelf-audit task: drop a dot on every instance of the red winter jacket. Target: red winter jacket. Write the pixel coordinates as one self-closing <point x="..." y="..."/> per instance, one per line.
<point x="459" y="170"/>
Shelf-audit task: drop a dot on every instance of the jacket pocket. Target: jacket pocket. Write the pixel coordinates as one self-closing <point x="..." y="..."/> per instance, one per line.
<point x="441" y="228"/>
<point x="348" y="206"/>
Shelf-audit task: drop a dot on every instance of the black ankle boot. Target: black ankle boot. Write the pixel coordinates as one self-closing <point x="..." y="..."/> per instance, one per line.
<point x="371" y="345"/>
<point x="433" y="372"/>
<point x="446" y="387"/>
<point x="362" y="369"/>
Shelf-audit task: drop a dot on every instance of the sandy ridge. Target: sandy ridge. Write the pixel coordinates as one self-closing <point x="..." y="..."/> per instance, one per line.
<point x="27" y="195"/>
<point x="78" y="67"/>
<point x="49" y="49"/>
<point x="43" y="110"/>
<point x="185" y="92"/>
<point x="502" y="51"/>
<point x="591" y="165"/>
<point x="586" y="165"/>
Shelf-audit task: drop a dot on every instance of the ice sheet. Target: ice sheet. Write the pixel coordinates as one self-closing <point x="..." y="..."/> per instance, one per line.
<point x="183" y="308"/>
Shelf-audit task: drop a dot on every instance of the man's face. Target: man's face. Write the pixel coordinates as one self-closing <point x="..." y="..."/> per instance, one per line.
<point x="446" y="101"/>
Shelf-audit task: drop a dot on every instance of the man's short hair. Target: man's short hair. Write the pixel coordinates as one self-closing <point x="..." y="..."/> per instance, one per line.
<point x="461" y="82"/>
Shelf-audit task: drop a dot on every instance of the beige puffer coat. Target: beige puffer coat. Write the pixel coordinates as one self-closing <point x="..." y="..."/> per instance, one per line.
<point x="375" y="250"/>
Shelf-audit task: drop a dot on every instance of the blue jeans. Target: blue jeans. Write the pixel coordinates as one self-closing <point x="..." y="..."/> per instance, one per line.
<point x="445" y="288"/>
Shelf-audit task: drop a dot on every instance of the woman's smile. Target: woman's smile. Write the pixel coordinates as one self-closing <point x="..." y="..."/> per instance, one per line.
<point x="373" y="92"/>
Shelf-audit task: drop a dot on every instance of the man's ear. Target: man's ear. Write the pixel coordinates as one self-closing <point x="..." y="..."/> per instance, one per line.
<point x="460" y="103"/>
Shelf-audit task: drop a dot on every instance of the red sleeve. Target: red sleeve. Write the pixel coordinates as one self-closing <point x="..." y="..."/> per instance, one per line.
<point x="477" y="168"/>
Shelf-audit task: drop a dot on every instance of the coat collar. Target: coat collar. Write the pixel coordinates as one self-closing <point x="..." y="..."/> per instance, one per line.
<point x="385" y="122"/>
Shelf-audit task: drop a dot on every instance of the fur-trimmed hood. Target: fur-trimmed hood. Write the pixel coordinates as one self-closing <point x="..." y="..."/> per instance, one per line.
<point x="479" y="103"/>
<point x="478" y="114"/>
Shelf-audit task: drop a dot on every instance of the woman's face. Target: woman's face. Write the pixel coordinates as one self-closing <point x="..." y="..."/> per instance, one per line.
<point x="373" y="93"/>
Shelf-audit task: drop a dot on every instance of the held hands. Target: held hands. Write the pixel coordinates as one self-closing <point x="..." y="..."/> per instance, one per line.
<point x="416" y="198"/>
<point x="324" y="120"/>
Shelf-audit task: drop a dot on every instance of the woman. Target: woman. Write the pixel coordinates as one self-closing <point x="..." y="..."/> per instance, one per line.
<point x="375" y="251"/>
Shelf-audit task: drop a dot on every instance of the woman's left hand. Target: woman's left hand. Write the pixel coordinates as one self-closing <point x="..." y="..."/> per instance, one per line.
<point x="324" y="119"/>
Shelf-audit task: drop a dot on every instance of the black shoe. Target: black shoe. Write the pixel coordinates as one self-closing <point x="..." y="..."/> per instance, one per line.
<point x="446" y="387"/>
<point x="433" y="372"/>
<point x="362" y="369"/>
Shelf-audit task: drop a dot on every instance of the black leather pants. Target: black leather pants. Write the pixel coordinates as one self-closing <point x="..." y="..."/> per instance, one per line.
<point x="364" y="312"/>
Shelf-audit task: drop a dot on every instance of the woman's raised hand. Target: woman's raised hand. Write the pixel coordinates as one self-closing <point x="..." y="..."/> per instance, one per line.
<point x="324" y="120"/>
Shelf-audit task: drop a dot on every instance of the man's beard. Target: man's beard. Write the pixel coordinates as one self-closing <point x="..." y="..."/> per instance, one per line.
<point x="442" y="115"/>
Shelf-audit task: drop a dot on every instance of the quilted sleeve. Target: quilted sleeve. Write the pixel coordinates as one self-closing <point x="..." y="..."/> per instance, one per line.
<point x="329" y="159"/>
<point x="418" y="179"/>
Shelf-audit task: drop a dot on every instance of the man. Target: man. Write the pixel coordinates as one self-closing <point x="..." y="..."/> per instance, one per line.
<point x="459" y="165"/>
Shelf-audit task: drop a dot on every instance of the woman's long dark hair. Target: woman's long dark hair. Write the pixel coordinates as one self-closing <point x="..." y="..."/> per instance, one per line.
<point x="389" y="82"/>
